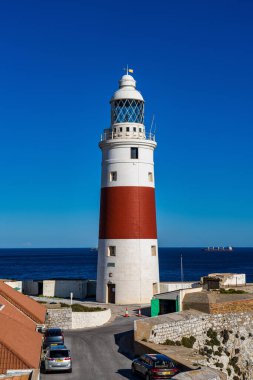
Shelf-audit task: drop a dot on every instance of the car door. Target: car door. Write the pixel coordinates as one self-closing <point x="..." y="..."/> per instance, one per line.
<point x="139" y="364"/>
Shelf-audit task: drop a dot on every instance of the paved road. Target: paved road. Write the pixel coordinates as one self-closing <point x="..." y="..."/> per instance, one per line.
<point x="102" y="353"/>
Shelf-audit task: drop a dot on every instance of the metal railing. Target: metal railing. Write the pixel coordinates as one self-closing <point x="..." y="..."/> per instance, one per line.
<point x="127" y="135"/>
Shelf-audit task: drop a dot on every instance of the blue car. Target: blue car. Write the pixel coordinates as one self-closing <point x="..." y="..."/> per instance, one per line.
<point x="154" y="366"/>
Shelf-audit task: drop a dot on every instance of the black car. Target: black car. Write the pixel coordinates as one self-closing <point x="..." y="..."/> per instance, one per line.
<point x="154" y="366"/>
<point x="53" y="336"/>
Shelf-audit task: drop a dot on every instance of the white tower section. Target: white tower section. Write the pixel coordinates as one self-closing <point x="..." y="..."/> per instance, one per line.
<point x="127" y="271"/>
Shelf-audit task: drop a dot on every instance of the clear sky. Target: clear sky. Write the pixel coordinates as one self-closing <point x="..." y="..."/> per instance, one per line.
<point x="60" y="61"/>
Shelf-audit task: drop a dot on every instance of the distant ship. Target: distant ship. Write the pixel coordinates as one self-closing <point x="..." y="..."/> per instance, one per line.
<point x="218" y="249"/>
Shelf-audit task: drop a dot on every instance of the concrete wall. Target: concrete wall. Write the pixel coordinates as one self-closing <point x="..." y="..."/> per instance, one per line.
<point x="91" y="288"/>
<point x="49" y="288"/>
<point x="30" y="287"/>
<point x="63" y="288"/>
<point x="15" y="285"/>
<point x="66" y="319"/>
<point x="183" y="292"/>
<point x="172" y="286"/>
<point x="81" y="320"/>
<point x="230" y="279"/>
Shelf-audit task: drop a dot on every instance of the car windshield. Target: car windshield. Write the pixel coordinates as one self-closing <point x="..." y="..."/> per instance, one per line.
<point x="164" y="363"/>
<point x="59" y="354"/>
<point x="53" y="332"/>
<point x="54" y="338"/>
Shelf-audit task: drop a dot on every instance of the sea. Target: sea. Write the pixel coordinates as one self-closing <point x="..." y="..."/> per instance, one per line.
<point x="81" y="263"/>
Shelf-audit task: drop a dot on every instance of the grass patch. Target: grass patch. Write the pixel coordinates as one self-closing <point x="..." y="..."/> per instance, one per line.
<point x="232" y="291"/>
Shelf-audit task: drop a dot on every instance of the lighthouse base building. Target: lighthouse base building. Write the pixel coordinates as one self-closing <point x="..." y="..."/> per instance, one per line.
<point x="127" y="269"/>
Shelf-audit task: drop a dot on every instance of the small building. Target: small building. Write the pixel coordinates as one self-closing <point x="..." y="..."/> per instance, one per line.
<point x="81" y="288"/>
<point x="170" y="302"/>
<point x="217" y="303"/>
<point x="223" y="280"/>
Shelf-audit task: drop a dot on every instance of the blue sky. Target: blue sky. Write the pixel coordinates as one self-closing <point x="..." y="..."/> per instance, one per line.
<point x="60" y="61"/>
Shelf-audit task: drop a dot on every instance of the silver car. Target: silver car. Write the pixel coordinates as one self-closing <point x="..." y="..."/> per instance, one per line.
<point x="57" y="358"/>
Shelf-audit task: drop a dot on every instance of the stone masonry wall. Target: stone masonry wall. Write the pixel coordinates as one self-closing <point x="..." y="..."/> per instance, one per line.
<point x="224" y="340"/>
<point x="59" y="318"/>
<point x="195" y="325"/>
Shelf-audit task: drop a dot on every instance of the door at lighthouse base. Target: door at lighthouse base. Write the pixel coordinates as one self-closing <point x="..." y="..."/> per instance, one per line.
<point x="111" y="293"/>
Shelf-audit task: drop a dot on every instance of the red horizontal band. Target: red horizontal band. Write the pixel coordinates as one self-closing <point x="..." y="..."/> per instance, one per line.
<point x="127" y="212"/>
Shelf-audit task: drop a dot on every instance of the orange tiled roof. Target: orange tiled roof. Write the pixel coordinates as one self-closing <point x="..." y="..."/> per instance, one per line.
<point x="24" y="343"/>
<point x="11" y="311"/>
<point x="33" y="309"/>
<point x="17" y="377"/>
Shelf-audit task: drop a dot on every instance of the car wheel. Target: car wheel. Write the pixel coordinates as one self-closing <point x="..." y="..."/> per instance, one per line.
<point x="70" y="370"/>
<point x="133" y="369"/>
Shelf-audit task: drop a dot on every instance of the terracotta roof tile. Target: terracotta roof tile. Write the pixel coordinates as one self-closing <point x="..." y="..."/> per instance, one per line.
<point x="30" y="307"/>
<point x="11" y="311"/>
<point x="16" y="377"/>
<point x="21" y="341"/>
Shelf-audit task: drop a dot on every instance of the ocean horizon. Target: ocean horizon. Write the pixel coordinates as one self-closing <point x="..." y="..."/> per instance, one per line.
<point x="80" y="263"/>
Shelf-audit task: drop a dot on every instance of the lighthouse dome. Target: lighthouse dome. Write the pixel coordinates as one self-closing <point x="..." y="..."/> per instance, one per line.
<point x="127" y="89"/>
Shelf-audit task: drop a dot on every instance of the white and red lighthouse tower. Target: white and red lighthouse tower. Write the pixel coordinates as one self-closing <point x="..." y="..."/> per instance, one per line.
<point x="127" y="271"/>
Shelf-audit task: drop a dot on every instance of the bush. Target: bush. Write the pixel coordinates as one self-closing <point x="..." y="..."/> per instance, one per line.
<point x="169" y="342"/>
<point x="225" y="336"/>
<point x="188" y="342"/>
<point x="77" y="307"/>
<point x="232" y="291"/>
<point x="213" y="338"/>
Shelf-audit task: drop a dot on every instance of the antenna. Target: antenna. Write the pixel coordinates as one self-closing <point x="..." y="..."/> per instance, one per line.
<point x="126" y="69"/>
<point x="152" y="122"/>
<point x="182" y="269"/>
<point x="155" y="129"/>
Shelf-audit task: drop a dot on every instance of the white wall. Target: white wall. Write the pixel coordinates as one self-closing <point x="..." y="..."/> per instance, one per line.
<point x="63" y="288"/>
<point x="130" y="172"/>
<point x="234" y="280"/>
<point x="183" y="292"/>
<point x="82" y="320"/>
<point x="49" y="288"/>
<point x="134" y="273"/>
<point x="172" y="286"/>
<point x="15" y="285"/>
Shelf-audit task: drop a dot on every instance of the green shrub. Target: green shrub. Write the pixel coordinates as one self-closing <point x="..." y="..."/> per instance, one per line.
<point x="169" y="342"/>
<point x="232" y="291"/>
<point x="225" y="336"/>
<point x="77" y="307"/>
<point x="229" y="371"/>
<point x="188" y="342"/>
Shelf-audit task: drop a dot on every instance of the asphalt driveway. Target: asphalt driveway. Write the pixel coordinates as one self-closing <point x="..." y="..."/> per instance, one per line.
<point x="103" y="353"/>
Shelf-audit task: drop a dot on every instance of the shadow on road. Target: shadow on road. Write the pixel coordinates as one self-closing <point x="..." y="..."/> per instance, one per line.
<point x="127" y="373"/>
<point x="125" y="342"/>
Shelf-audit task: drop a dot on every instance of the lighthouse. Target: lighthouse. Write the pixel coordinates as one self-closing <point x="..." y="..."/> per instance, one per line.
<point x="127" y="269"/>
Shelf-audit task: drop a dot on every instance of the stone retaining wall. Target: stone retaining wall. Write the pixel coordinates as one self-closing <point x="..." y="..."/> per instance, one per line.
<point x="197" y="325"/>
<point x="59" y="318"/>
<point x="91" y="319"/>
<point x="66" y="319"/>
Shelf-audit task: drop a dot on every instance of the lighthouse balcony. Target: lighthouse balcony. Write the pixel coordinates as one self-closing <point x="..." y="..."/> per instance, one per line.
<point x="122" y="135"/>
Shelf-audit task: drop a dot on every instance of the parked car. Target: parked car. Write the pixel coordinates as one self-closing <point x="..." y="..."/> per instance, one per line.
<point x="57" y="358"/>
<point x="154" y="366"/>
<point x="53" y="336"/>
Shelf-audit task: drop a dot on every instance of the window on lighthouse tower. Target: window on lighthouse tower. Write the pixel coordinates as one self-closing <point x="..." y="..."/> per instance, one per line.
<point x="134" y="153"/>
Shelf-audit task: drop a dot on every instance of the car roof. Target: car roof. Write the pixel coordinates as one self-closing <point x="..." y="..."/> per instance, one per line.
<point x="58" y="347"/>
<point x="51" y="329"/>
<point x="158" y="357"/>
